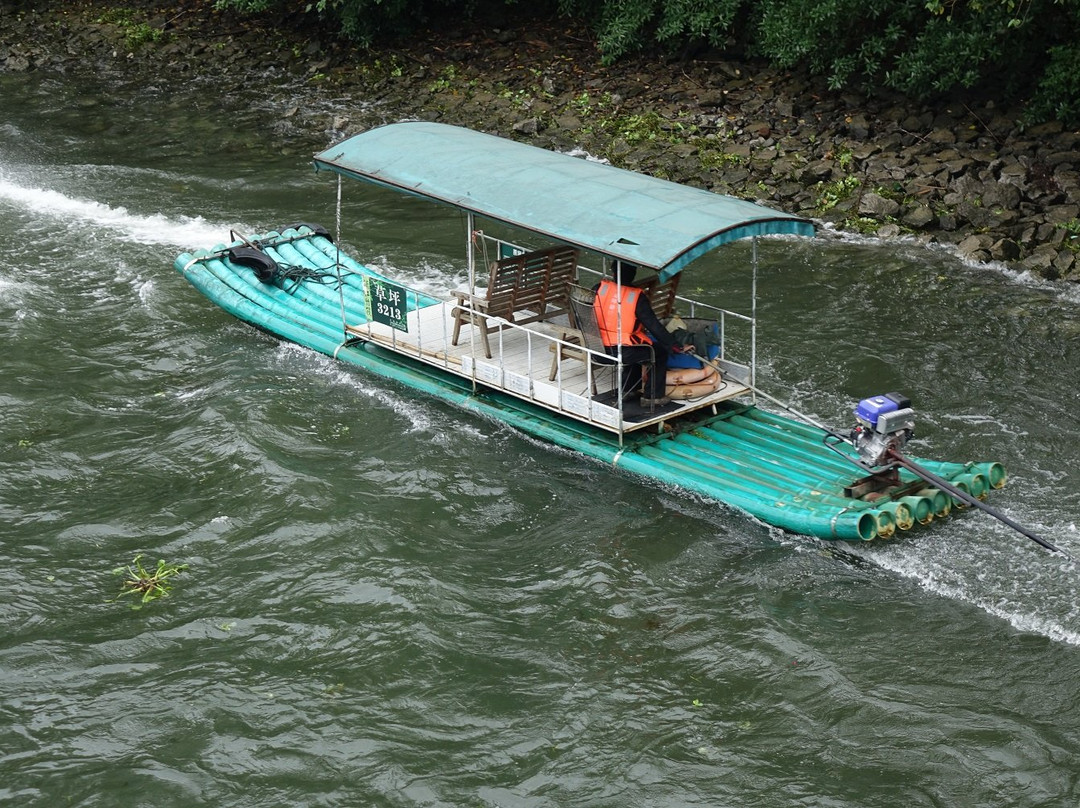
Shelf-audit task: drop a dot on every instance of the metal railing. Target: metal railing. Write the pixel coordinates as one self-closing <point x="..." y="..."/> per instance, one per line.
<point x="429" y="340"/>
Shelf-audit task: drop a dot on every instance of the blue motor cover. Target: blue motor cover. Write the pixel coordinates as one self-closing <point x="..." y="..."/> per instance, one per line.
<point x="870" y="409"/>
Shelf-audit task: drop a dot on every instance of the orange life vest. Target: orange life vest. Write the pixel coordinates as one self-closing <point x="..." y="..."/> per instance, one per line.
<point x="613" y="311"/>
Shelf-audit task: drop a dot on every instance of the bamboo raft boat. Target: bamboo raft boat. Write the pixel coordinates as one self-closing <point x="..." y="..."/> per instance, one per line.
<point x="518" y="344"/>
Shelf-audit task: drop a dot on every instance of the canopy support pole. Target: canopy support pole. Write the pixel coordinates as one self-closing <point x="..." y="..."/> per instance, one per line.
<point x="753" y="318"/>
<point x="337" y="259"/>
<point x="470" y="250"/>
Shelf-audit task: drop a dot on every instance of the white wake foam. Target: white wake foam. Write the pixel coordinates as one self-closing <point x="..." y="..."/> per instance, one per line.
<point x="1033" y="591"/>
<point x="183" y="231"/>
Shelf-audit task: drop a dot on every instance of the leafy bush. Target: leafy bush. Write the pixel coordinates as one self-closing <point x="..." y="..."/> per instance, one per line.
<point x="363" y="21"/>
<point x="1011" y="49"/>
<point x="920" y="47"/>
<point x="846" y="40"/>
<point x="246" y="6"/>
<point x="1058" y="94"/>
<point x="624" y="26"/>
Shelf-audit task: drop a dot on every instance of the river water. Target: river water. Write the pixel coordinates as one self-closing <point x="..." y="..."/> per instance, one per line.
<point x="390" y="602"/>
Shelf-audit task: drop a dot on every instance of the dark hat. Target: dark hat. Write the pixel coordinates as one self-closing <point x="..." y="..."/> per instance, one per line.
<point x="624" y="271"/>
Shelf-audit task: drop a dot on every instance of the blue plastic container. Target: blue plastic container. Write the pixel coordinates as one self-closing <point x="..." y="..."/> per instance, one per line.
<point x="697" y="326"/>
<point x="681" y="360"/>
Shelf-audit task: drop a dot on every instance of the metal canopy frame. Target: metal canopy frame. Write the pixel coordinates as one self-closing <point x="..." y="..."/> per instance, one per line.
<point x="618" y="214"/>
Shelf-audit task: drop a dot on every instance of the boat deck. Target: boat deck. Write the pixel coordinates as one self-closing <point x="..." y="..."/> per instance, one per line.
<point x="542" y="362"/>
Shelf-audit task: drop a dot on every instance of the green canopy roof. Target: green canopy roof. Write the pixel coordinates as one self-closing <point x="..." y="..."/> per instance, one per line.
<point x="622" y="214"/>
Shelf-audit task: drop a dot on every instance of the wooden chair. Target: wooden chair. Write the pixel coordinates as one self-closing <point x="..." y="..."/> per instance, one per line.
<point x="521" y="289"/>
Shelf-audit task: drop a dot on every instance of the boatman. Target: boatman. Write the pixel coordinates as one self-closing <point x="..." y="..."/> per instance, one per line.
<point x="626" y="317"/>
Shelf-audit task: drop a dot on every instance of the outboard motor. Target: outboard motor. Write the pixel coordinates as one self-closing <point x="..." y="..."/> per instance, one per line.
<point x="884" y="423"/>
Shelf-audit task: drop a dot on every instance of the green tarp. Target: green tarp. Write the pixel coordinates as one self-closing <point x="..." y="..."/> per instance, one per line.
<point x="589" y="204"/>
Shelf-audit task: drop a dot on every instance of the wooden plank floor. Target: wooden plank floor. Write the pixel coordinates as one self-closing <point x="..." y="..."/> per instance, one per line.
<point x="521" y="363"/>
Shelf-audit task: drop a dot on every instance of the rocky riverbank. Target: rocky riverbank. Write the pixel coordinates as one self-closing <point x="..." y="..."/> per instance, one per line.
<point x="966" y="175"/>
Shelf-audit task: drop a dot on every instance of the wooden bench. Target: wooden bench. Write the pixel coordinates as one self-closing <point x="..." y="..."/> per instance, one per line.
<point x="521" y="289"/>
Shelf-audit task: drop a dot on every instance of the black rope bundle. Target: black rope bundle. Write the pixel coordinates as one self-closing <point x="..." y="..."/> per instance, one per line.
<point x="270" y="271"/>
<point x="282" y="275"/>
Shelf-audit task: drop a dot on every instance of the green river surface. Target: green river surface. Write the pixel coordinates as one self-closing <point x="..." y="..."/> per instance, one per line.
<point x="390" y="602"/>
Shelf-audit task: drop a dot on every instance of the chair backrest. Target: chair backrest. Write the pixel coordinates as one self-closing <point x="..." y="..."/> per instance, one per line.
<point x="662" y="295"/>
<point x="532" y="281"/>
<point x="564" y="263"/>
<point x="583" y="316"/>
<point x="502" y="283"/>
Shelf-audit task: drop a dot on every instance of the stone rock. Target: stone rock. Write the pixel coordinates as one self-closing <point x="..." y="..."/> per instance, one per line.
<point x="1041" y="260"/>
<point x="742" y="150"/>
<point x="568" y="123"/>
<point x="1065" y="261"/>
<point x="958" y="165"/>
<point x="1050" y="234"/>
<point x="818" y="171"/>
<point x="873" y="204"/>
<point x="1014" y="172"/>
<point x="941" y="135"/>
<point x="973" y="245"/>
<point x="1001" y="194"/>
<point x="528" y="126"/>
<point x="759" y="128"/>
<point x="858" y="127"/>
<point x="1061" y="214"/>
<point x="1004" y="250"/>
<point x="1056" y="159"/>
<point x="864" y="151"/>
<point x="1045" y="129"/>
<point x="919" y="217"/>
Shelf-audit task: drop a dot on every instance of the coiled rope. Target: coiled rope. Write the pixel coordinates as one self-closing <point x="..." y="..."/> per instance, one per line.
<point x="269" y="271"/>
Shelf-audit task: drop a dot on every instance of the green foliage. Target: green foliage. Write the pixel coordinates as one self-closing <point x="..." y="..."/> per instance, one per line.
<point x="136" y="32"/>
<point x="827" y="195"/>
<point x="603" y="117"/>
<point x="930" y="47"/>
<point x="142" y="34"/>
<point x="1072" y="234"/>
<point x="638" y="128"/>
<point x="1058" y="94"/>
<point x="246" y="6"/>
<point x="446" y="81"/>
<point x="1010" y="49"/>
<point x="842" y="39"/>
<point x="363" y="21"/>
<point x="147" y="585"/>
<point x="1014" y="48"/>
<point x="715" y="158"/>
<point x="624" y="26"/>
<point x="920" y="47"/>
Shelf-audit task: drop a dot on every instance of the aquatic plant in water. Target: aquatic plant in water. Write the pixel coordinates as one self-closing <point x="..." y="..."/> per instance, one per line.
<point x="147" y="585"/>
